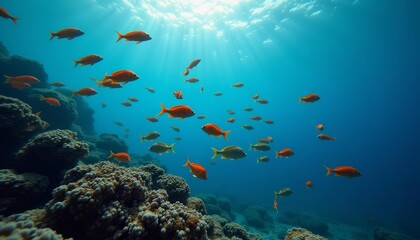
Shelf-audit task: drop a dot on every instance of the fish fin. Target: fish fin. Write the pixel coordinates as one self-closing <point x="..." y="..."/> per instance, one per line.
<point x="52" y="35"/>
<point x="163" y="111"/>
<point x="188" y="163"/>
<point x="42" y="98"/>
<point x="225" y="133"/>
<point x="194" y="176"/>
<point x="223" y="157"/>
<point x="250" y="146"/>
<point x="170" y="116"/>
<point x="277" y="154"/>
<point x="14" y="19"/>
<point x="73" y="93"/>
<point x="216" y="152"/>
<point x="171" y="147"/>
<point x="329" y="170"/>
<point x="141" y="138"/>
<point x="333" y="138"/>
<point x="125" y="83"/>
<point x="119" y="36"/>
<point x="337" y="175"/>
<point x="76" y="63"/>
<point x="111" y="154"/>
<point x="138" y="42"/>
<point x="300" y="99"/>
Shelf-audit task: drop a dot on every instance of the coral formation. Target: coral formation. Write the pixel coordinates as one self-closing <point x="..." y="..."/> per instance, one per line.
<point x="257" y="216"/>
<point x="301" y="234"/>
<point x="385" y="234"/>
<point x="235" y="230"/>
<point x="176" y="187"/>
<point x="219" y="206"/>
<point x="197" y="204"/>
<point x="155" y="172"/>
<point x="51" y="153"/>
<point x="19" y="192"/>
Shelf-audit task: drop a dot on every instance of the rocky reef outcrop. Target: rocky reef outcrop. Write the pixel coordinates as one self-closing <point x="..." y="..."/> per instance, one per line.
<point x="302" y="234"/>
<point x="380" y="233"/>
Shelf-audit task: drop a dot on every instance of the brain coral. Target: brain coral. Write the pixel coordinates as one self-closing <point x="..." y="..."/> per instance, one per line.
<point x="176" y="187"/>
<point x="106" y="201"/>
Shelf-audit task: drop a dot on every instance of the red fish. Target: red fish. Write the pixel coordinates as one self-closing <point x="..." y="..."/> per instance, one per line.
<point x="309" y="98"/>
<point x="51" y="101"/>
<point x="68" y="33"/>
<point x="137" y="36"/>
<point x="108" y="83"/>
<point x="308" y="184"/>
<point x="213" y="129"/>
<point x="5" y="14"/>
<point x="21" y="79"/>
<point x="196" y="169"/>
<point x="181" y="111"/>
<point x="122" y="76"/>
<point x="88" y="60"/>
<point x="275" y="205"/>
<point x="287" y="152"/>
<point x="121" y="156"/>
<point x="325" y="137"/>
<point x="345" y="171"/>
<point x="84" y="92"/>
<point x="178" y="94"/>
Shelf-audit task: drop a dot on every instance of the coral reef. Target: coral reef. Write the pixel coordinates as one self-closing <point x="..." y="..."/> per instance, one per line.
<point x="176" y="187"/>
<point x="235" y="230"/>
<point x="257" y="216"/>
<point x="155" y="172"/>
<point x="309" y="222"/>
<point x="18" y="123"/>
<point x="301" y="234"/>
<point x="385" y="234"/>
<point x="51" y="153"/>
<point x="21" y="226"/>
<point x="197" y="204"/>
<point x="220" y="206"/>
<point x="19" y="192"/>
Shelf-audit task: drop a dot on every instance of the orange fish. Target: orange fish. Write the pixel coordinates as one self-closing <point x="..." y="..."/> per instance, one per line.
<point x="121" y="156"/>
<point x="57" y="84"/>
<point x="136" y="36"/>
<point x="325" y="137"/>
<point x="178" y="94"/>
<point x="287" y="152"/>
<point x="152" y="119"/>
<point x="344" y="171"/>
<point x="186" y="72"/>
<point x="320" y="127"/>
<point x="308" y="184"/>
<point x="21" y="79"/>
<point x="262" y="101"/>
<point x="51" y="101"/>
<point x="192" y="80"/>
<point x="6" y="15"/>
<point x="230" y="120"/>
<point x="238" y="85"/>
<point x="309" y="98"/>
<point x="196" y="169"/>
<point x="84" y="92"/>
<point x="68" y="33"/>
<point x="181" y="111"/>
<point x="133" y="99"/>
<point x="213" y="129"/>
<point x="127" y="104"/>
<point x="122" y="76"/>
<point x="19" y="85"/>
<point x="88" y="60"/>
<point x="275" y="205"/>
<point x="108" y="83"/>
<point x="256" y="118"/>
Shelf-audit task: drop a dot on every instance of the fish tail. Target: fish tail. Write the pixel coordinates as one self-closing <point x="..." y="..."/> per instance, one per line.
<point x="216" y="152"/>
<point x="7" y="80"/>
<point x="14" y="19"/>
<point x="300" y="99"/>
<point x="225" y="133"/>
<point x="250" y="146"/>
<point x="111" y="154"/>
<point x="42" y="98"/>
<point x="141" y="138"/>
<point x="73" y="93"/>
<point x="329" y="170"/>
<point x="277" y="154"/>
<point x="163" y="111"/>
<point x="188" y="163"/>
<point x="76" y="63"/>
<point x="119" y="36"/>
<point x="52" y="35"/>
<point x="172" y="147"/>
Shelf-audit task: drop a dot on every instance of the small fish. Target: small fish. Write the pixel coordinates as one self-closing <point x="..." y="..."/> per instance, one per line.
<point x="202" y="89"/>
<point x="275" y="204"/>
<point x="196" y="169"/>
<point x="310" y="98"/>
<point x="88" y="60"/>
<point x="230" y="120"/>
<point x="320" y="127"/>
<point x="152" y="119"/>
<point x="255" y="118"/>
<point x="122" y="76"/>
<point x="213" y="129"/>
<point x="84" y="92"/>
<point x="121" y="156"/>
<point x="126" y="129"/>
<point x="57" y="84"/>
<point x="191" y="80"/>
<point x="284" y="192"/>
<point x="178" y="138"/>
<point x="136" y="36"/>
<point x="103" y="104"/>
<point x="268" y="121"/>
<point x="51" y="101"/>
<point x="181" y="111"/>
<point x="325" y="137"/>
<point x="160" y="148"/>
<point x="118" y="123"/>
<point x="262" y="101"/>
<point x="263" y="159"/>
<point x="126" y="135"/>
<point x="201" y="116"/>
<point x="150" y="136"/>
<point x="308" y="184"/>
<point x="230" y="112"/>
<point x="255" y="96"/>
<point x="150" y="89"/>
<point x="21" y="79"/>
<point x="247" y="127"/>
<point x="267" y="139"/>
<point x="6" y="15"/>
<point x="186" y="72"/>
<point x="176" y="129"/>
<point x="248" y="109"/>
<point x="344" y="171"/>
<point x="232" y="152"/>
<point x="178" y="94"/>
<point x="133" y="99"/>
<point x="194" y="63"/>
<point x="238" y="85"/>
<point x="287" y="152"/>
<point x="127" y="104"/>
<point x="68" y="33"/>
<point x="260" y="146"/>
<point x="217" y="94"/>
<point x="107" y="83"/>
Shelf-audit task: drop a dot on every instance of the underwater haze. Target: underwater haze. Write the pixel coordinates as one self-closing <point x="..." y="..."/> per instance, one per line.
<point x="360" y="57"/>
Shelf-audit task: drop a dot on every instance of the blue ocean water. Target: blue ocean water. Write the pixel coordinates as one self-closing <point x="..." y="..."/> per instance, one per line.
<point x="360" y="57"/>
